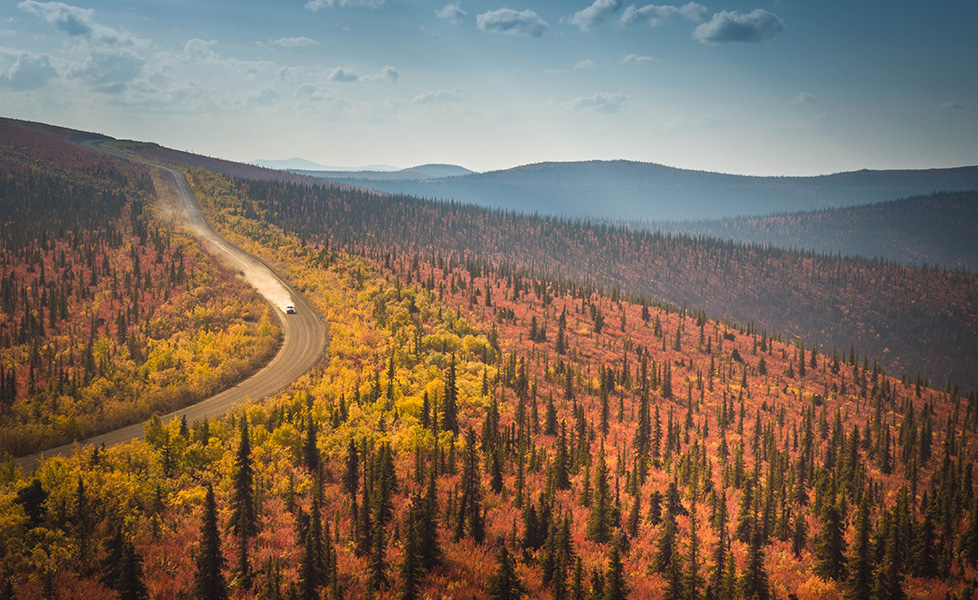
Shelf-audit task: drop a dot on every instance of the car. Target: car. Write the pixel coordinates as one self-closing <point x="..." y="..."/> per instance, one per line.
<point x="289" y="309"/>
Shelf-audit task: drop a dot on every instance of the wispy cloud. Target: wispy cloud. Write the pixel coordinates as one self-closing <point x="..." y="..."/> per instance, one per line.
<point x="452" y="13"/>
<point x="437" y="97"/>
<point x="654" y="15"/>
<point x="804" y="98"/>
<point x="77" y="22"/>
<point x="638" y="59"/>
<point x="596" y="14"/>
<point x="294" y="42"/>
<point x="601" y="102"/>
<point x="732" y="27"/>
<point x="28" y="72"/>
<point x="341" y="75"/>
<point x="316" y="5"/>
<point x="388" y="74"/>
<point x="950" y="105"/>
<point x="584" y="64"/>
<point x="510" y="22"/>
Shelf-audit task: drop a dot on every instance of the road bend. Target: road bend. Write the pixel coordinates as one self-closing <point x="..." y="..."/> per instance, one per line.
<point x="304" y="334"/>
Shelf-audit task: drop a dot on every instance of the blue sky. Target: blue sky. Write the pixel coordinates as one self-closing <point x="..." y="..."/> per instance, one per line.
<point x="756" y="87"/>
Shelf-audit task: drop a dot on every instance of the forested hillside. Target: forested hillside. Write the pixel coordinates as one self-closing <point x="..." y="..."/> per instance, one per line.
<point x="107" y="315"/>
<point x="634" y="191"/>
<point x="480" y="431"/>
<point x="936" y="230"/>
<point x="908" y="318"/>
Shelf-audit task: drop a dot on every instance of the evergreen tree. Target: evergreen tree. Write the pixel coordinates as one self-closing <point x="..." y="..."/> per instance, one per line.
<point x="577" y="591"/>
<point x="666" y="546"/>
<point x="244" y="521"/>
<point x="470" y="521"/>
<point x="429" y="546"/>
<point x="599" y="523"/>
<point x="615" y="588"/>
<point x="859" y="584"/>
<point x="754" y="582"/>
<point x="351" y="469"/>
<point x="378" y="558"/>
<point x="504" y="584"/>
<point x="310" y="451"/>
<point x="115" y="547"/>
<point x="830" y="559"/>
<point x="209" y="583"/>
<point x="130" y="584"/>
<point x="675" y="581"/>
<point x="411" y="568"/>
<point x="449" y="421"/>
<point x="721" y="545"/>
<point x="887" y="579"/>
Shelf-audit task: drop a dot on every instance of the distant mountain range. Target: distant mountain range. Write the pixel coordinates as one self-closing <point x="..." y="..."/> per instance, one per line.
<point x="301" y="164"/>
<point x="421" y="172"/>
<point x="635" y="191"/>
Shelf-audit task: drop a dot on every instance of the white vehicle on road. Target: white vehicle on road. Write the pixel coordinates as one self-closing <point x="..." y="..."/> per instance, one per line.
<point x="289" y="309"/>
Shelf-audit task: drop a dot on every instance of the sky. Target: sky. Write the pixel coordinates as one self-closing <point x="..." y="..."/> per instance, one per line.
<point x="750" y="87"/>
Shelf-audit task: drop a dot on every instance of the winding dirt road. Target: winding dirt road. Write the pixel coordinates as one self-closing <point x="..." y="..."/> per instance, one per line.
<point x="304" y="333"/>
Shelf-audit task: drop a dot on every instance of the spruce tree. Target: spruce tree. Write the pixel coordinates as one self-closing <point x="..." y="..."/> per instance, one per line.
<point x="887" y="579"/>
<point x="130" y="584"/>
<point x="504" y="584"/>
<point x="428" y="527"/>
<point x="615" y="588"/>
<point x="755" y="583"/>
<point x="599" y="525"/>
<point x="830" y="559"/>
<point x="244" y="521"/>
<point x="411" y="568"/>
<point x="470" y="521"/>
<point x="449" y="421"/>
<point x="209" y="583"/>
<point x="859" y="584"/>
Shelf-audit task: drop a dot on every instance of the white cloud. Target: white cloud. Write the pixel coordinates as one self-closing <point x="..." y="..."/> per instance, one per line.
<point x="732" y="27"/>
<point x="655" y="15"/>
<point x="452" y="13"/>
<point x="804" y="98"/>
<point x="77" y="22"/>
<point x="315" y="5"/>
<point x="596" y="14"/>
<point x="510" y="22"/>
<point x="601" y="102"/>
<point x="389" y="73"/>
<point x="28" y="72"/>
<point x="638" y="59"/>
<point x="294" y="42"/>
<point x="343" y="76"/>
<point x="950" y="105"/>
<point x="584" y="64"/>
<point x="198" y="50"/>
<point x="437" y="97"/>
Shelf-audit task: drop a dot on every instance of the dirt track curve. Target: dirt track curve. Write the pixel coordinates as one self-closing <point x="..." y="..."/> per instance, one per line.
<point x="304" y="333"/>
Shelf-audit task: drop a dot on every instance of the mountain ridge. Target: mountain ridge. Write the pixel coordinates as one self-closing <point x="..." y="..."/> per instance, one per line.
<point x="636" y="191"/>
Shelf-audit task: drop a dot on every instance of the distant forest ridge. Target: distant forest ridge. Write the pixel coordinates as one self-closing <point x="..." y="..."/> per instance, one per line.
<point x="635" y="191"/>
<point x="429" y="171"/>
<point x="934" y="230"/>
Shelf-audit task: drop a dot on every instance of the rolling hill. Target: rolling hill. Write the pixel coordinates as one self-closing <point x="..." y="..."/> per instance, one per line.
<point x="936" y="230"/>
<point x="634" y="191"/>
